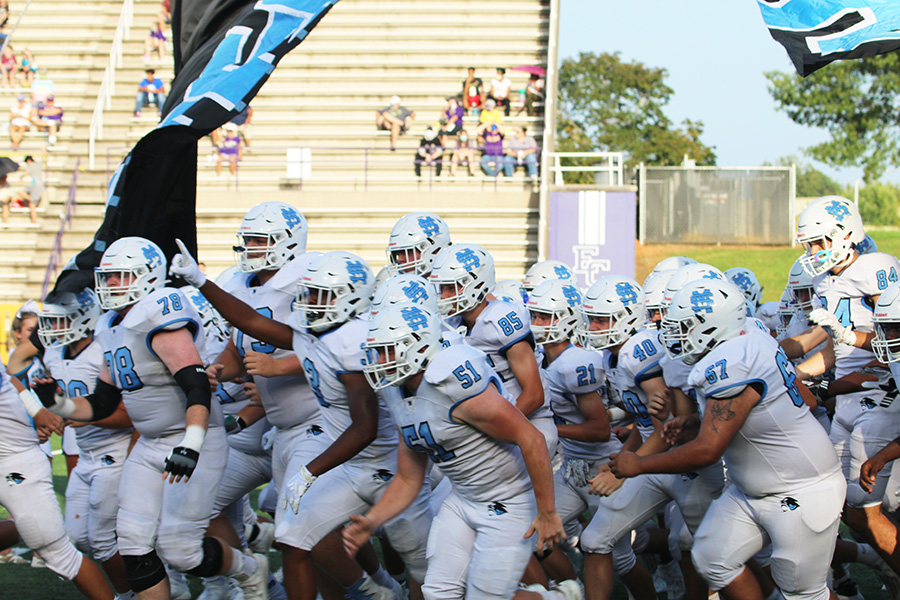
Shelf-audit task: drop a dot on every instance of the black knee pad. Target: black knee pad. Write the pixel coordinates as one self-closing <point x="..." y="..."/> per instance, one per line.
<point x="143" y="572"/>
<point x="211" y="564"/>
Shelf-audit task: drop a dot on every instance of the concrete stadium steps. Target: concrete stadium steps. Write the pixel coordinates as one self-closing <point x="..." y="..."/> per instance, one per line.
<point x="323" y="95"/>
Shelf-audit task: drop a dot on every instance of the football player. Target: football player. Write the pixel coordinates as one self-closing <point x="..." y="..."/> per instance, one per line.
<point x="73" y="358"/>
<point x="786" y="484"/>
<point x="463" y="274"/>
<point x="327" y="331"/>
<point x="149" y="338"/>
<point x="613" y="315"/>
<point x="450" y="411"/>
<point x="848" y="285"/>
<point x="415" y="241"/>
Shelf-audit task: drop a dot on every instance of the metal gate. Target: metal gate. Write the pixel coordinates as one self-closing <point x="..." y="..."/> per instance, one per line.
<point x="716" y="205"/>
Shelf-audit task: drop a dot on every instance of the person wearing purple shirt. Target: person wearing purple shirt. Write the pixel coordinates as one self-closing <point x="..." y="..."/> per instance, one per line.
<point x="521" y="150"/>
<point x="453" y="119"/>
<point x="492" y="156"/>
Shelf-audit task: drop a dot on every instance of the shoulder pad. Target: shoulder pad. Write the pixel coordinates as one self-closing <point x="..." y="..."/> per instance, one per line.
<point x="236" y="282"/>
<point x="164" y="309"/>
<point x="288" y="277"/>
<point x="582" y="370"/>
<point x="875" y="272"/>
<point x="349" y="339"/>
<point x="508" y="322"/>
<point x="728" y="368"/>
<point x="460" y="372"/>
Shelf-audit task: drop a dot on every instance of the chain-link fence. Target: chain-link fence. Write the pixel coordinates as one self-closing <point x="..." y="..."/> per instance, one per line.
<point x="716" y="205"/>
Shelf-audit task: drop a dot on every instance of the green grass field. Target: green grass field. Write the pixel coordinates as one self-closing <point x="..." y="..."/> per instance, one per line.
<point x="771" y="265"/>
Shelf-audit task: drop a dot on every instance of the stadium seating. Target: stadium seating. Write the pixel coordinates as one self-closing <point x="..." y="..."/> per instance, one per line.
<point x="323" y="96"/>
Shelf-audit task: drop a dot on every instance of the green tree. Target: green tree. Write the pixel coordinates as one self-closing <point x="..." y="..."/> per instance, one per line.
<point x="857" y="102"/>
<point x="606" y="104"/>
<point x="879" y="204"/>
<point x="811" y="182"/>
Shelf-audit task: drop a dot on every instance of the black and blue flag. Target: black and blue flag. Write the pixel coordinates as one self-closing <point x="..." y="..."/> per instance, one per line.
<point x="224" y="51"/>
<point x="817" y="32"/>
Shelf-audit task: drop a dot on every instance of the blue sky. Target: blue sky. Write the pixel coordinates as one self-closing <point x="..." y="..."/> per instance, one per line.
<point x="715" y="52"/>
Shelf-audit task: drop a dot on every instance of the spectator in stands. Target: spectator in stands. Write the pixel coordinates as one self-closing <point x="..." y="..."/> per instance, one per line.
<point x="464" y="153"/>
<point x="8" y="66"/>
<point x="230" y="149"/>
<point x="156" y="40"/>
<point x="500" y="87"/>
<point x="33" y="179"/>
<point x="394" y="118"/>
<point x="534" y="94"/>
<point x="165" y="11"/>
<point x="27" y="68"/>
<point x="41" y="88"/>
<point x="473" y="93"/>
<point x="20" y="120"/>
<point x="4" y="13"/>
<point x="151" y="90"/>
<point x="492" y="150"/>
<point x="452" y="120"/>
<point x="430" y="153"/>
<point x="49" y="117"/>
<point x="8" y="195"/>
<point x="242" y="120"/>
<point x="491" y="115"/>
<point x="521" y="151"/>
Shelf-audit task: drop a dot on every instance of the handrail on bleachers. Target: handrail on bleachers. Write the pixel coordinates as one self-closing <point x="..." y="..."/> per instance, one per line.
<point x="108" y="85"/>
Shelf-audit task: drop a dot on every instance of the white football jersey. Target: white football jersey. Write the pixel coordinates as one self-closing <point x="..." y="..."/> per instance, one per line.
<point x="288" y="399"/>
<point x="638" y="361"/>
<point x="780" y="446"/>
<point x="155" y="403"/>
<point x="480" y="468"/>
<point x="77" y="376"/>
<point x="17" y="432"/>
<point x="575" y="372"/>
<point x="324" y="358"/>
<point x="845" y="296"/>
<point x="500" y="325"/>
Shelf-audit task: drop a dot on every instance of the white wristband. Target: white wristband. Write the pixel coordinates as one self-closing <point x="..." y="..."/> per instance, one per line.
<point x="193" y="437"/>
<point x="616" y="414"/>
<point x="306" y="475"/>
<point x="32" y="405"/>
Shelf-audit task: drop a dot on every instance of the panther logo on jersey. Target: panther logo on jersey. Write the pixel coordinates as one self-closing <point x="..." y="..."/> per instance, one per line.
<point x="429" y="226"/>
<point x="701" y="301"/>
<point x="415" y="292"/>
<point x="313" y="431"/>
<point x="837" y="210"/>
<point x="562" y="272"/>
<point x="152" y="256"/>
<point x="627" y="293"/>
<point x="382" y="475"/>
<point x="468" y="259"/>
<point x="106" y="459"/>
<point x="496" y="508"/>
<point x="572" y="295"/>
<point x="357" y="271"/>
<point x="689" y="476"/>
<point x="15" y="479"/>
<point x="789" y="504"/>
<point x="414" y="317"/>
<point x="867" y="404"/>
<point x="291" y="216"/>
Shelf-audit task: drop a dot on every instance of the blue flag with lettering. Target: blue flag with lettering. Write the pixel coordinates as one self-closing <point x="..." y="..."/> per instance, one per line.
<point x="817" y="32"/>
<point x="224" y="51"/>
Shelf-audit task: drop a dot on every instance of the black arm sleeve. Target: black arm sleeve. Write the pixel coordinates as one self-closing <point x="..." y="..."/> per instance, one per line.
<point x="195" y="384"/>
<point x="104" y="399"/>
